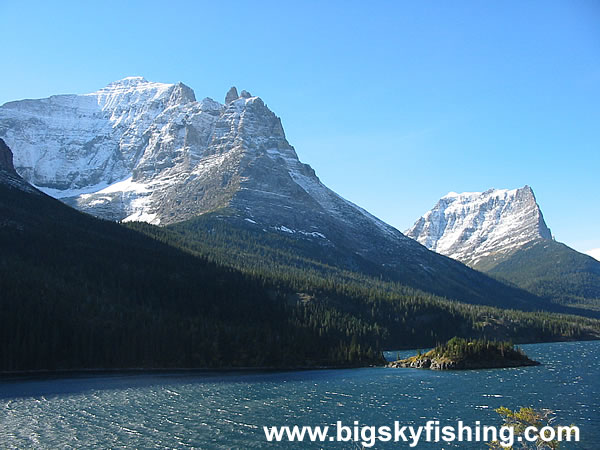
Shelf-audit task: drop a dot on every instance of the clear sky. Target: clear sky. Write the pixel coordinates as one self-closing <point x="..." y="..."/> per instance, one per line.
<point x="394" y="103"/>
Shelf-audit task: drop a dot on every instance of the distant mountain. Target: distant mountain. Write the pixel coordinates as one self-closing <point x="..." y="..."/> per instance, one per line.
<point x="481" y="228"/>
<point x="503" y="233"/>
<point x="143" y="151"/>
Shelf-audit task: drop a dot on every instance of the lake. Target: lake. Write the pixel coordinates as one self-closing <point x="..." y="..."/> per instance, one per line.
<point x="228" y="410"/>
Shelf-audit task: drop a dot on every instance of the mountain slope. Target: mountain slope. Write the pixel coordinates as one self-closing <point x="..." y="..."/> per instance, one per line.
<point x="503" y="233"/>
<point x="428" y="272"/>
<point x="78" y="292"/>
<point x="178" y="159"/>
<point x="550" y="269"/>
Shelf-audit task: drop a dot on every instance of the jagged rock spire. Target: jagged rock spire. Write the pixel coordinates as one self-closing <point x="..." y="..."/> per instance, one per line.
<point x="232" y="94"/>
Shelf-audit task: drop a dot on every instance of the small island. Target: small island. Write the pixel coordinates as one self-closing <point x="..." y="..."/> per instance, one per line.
<point x="463" y="354"/>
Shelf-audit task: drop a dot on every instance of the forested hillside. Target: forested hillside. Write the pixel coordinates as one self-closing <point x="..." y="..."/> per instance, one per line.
<point x="277" y="257"/>
<point x="553" y="270"/>
<point x="78" y="292"/>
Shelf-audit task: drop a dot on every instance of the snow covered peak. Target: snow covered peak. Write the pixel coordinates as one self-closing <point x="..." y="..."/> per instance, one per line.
<point x="490" y="193"/>
<point x="464" y="195"/>
<point x="477" y="227"/>
<point x="156" y="135"/>
<point x="69" y="144"/>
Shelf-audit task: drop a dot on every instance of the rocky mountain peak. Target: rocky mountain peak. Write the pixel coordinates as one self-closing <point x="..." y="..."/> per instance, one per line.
<point x="232" y="94"/>
<point x="478" y="227"/>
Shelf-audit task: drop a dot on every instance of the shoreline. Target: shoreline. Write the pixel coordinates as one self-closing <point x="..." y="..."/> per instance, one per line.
<point x="83" y="372"/>
<point x="75" y="373"/>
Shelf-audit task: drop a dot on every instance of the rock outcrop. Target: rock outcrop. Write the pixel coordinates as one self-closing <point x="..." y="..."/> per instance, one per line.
<point x="232" y="95"/>
<point x="8" y="176"/>
<point x="444" y="364"/>
<point x="6" y="158"/>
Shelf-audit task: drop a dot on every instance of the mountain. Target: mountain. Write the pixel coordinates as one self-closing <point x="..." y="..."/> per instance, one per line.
<point x="83" y="293"/>
<point x="480" y="228"/>
<point x="503" y="233"/>
<point x="143" y="151"/>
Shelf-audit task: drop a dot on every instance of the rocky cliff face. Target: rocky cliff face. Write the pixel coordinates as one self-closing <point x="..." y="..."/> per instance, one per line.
<point x="480" y="228"/>
<point x="8" y="176"/>
<point x="6" y="158"/>
<point x="76" y="143"/>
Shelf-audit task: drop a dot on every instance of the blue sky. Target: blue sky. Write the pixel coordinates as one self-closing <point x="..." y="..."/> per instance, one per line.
<point x="393" y="103"/>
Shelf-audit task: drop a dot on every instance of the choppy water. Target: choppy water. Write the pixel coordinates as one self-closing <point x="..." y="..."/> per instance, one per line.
<point x="225" y="410"/>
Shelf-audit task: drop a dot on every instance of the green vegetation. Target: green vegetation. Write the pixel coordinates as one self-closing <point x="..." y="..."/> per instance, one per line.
<point x="230" y="240"/>
<point x="554" y="271"/>
<point x="404" y="317"/>
<point x="77" y="292"/>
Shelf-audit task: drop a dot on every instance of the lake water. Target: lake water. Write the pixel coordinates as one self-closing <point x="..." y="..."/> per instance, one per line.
<point x="228" y="410"/>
